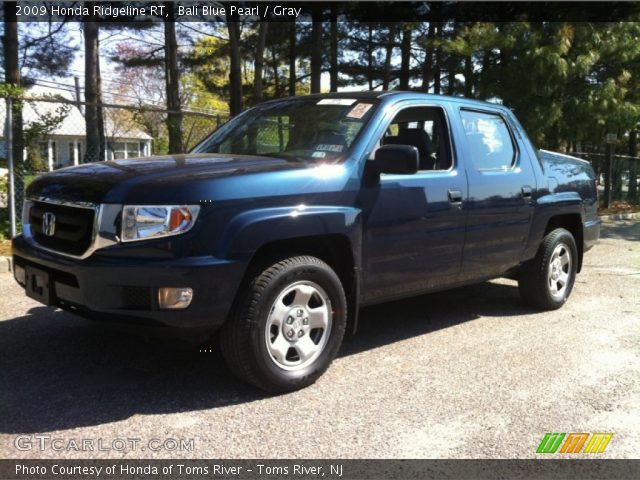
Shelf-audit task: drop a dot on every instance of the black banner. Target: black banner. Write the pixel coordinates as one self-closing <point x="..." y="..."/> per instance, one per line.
<point x="399" y="11"/>
<point x="317" y="469"/>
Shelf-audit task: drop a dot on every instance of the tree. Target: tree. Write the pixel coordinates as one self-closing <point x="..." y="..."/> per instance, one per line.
<point x="259" y="61"/>
<point x="46" y="50"/>
<point x="172" y="80"/>
<point x="292" y="58"/>
<point x="632" y="193"/>
<point x="145" y="84"/>
<point x="333" y="70"/>
<point x="427" y="65"/>
<point x="12" y="73"/>
<point x="316" y="49"/>
<point x="235" y="72"/>
<point x="405" y="57"/>
<point x="391" y="43"/>
<point x="452" y="61"/>
<point x="93" y="110"/>
<point x="437" y="72"/>
<point x="372" y="47"/>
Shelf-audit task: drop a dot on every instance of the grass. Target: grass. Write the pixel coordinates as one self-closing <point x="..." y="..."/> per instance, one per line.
<point x="5" y="248"/>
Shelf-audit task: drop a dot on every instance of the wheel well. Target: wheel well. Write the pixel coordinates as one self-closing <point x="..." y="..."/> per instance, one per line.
<point x="335" y="250"/>
<point x="573" y="223"/>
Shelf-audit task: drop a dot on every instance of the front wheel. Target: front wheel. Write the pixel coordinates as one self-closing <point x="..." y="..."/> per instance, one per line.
<point x="288" y="325"/>
<point x="547" y="280"/>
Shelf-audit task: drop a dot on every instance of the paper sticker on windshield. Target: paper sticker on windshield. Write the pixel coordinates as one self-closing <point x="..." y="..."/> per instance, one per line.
<point x="330" y="148"/>
<point x="337" y="101"/>
<point x="318" y="154"/>
<point x="359" y="110"/>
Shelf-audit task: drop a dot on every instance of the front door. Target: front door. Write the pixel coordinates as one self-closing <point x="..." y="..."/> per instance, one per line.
<point x="414" y="224"/>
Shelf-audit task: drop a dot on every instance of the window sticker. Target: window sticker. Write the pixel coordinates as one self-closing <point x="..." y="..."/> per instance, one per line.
<point x="359" y="110"/>
<point x="337" y="101"/>
<point x="319" y="154"/>
<point x="330" y="148"/>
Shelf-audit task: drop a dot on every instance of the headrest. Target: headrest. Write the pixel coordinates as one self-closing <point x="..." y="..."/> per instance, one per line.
<point x="415" y="137"/>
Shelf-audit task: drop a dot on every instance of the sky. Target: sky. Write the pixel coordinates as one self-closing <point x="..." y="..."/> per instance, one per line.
<point x="108" y="41"/>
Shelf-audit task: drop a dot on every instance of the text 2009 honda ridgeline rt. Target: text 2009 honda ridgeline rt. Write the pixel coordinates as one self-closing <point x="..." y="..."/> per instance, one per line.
<point x="287" y="219"/>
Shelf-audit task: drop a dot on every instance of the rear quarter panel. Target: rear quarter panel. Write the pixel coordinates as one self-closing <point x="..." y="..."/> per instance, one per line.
<point x="570" y="189"/>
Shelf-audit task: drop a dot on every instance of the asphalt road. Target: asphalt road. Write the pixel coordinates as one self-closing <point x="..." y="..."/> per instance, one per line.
<point x="465" y="373"/>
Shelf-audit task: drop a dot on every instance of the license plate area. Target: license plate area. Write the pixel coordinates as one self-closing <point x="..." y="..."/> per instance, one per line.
<point x="38" y="285"/>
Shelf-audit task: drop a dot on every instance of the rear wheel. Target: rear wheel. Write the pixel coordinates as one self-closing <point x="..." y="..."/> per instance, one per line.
<point x="547" y="280"/>
<point x="287" y="326"/>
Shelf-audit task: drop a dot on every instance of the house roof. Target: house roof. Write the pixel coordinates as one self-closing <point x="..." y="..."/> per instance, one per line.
<point x="74" y="123"/>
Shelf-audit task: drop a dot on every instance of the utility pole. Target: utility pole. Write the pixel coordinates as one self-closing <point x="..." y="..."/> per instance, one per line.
<point x="610" y="139"/>
<point x="9" y="151"/>
<point x="76" y="81"/>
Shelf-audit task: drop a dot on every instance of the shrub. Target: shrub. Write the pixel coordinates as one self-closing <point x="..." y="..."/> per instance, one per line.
<point x="34" y="162"/>
<point x="160" y="145"/>
<point x="5" y="224"/>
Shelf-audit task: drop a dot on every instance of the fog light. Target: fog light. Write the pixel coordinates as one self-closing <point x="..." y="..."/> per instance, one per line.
<point x="19" y="274"/>
<point x="174" y="298"/>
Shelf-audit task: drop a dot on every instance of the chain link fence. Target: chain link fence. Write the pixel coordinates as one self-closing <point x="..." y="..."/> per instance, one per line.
<point x="42" y="134"/>
<point x="625" y="176"/>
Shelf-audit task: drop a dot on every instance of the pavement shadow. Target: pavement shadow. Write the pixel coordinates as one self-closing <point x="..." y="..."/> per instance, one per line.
<point x="396" y="321"/>
<point x="60" y="372"/>
<point x="624" y="230"/>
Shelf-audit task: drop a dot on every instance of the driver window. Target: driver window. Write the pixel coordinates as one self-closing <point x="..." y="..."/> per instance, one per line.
<point x="426" y="129"/>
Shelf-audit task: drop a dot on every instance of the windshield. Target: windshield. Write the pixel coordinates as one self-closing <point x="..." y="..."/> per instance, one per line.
<point x="298" y="129"/>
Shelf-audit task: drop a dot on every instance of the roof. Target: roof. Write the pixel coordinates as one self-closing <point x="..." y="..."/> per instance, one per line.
<point x="379" y="94"/>
<point x="356" y="94"/>
<point x="74" y="123"/>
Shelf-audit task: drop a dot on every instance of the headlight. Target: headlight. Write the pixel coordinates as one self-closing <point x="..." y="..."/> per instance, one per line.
<point x="154" y="221"/>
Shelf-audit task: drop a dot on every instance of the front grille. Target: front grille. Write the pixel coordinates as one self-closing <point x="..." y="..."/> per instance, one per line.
<point x="73" y="227"/>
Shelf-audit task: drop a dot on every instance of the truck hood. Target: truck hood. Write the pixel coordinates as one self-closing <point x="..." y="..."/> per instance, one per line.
<point x="109" y="182"/>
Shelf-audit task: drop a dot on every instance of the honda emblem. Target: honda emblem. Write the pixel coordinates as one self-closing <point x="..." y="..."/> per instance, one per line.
<point x="49" y="224"/>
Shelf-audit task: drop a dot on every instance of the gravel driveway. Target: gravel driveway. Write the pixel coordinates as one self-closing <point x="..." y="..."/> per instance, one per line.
<point x="465" y="373"/>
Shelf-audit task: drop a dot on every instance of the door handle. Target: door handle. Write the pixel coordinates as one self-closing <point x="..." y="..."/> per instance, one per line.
<point x="455" y="196"/>
<point x="527" y="192"/>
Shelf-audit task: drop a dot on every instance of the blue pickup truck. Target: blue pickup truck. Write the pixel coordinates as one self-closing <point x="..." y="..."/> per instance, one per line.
<point x="280" y="225"/>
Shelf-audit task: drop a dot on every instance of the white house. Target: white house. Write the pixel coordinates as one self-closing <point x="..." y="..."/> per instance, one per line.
<point x="66" y="144"/>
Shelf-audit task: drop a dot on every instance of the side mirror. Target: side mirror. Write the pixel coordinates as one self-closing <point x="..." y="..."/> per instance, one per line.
<point x="399" y="159"/>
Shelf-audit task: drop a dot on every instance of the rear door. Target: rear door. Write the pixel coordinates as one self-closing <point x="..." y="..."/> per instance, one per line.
<point x="501" y="186"/>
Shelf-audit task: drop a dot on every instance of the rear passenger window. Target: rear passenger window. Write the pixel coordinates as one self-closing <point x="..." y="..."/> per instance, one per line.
<point x="489" y="140"/>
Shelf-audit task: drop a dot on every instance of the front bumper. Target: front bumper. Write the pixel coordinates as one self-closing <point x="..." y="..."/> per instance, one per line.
<point x="125" y="290"/>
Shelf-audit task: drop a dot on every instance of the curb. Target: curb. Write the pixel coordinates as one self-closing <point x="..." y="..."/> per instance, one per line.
<point x="5" y="264"/>
<point x="621" y="216"/>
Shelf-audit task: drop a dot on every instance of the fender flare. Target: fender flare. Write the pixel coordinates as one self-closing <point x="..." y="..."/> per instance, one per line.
<point x="250" y="230"/>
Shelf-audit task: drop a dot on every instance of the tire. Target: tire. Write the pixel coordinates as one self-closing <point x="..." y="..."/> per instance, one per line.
<point x="287" y="325"/>
<point x="546" y="281"/>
